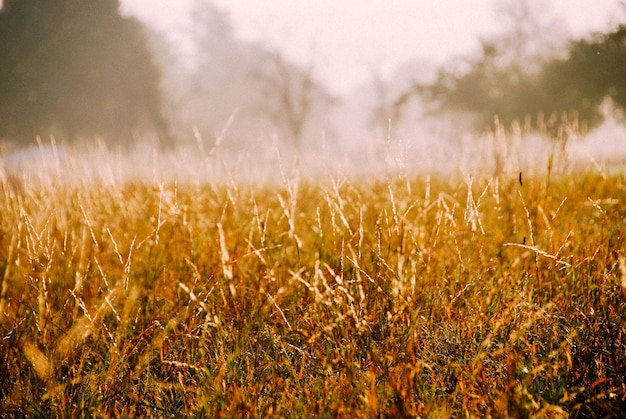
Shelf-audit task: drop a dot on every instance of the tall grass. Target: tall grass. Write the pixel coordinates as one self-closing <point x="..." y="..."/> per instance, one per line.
<point x="126" y="293"/>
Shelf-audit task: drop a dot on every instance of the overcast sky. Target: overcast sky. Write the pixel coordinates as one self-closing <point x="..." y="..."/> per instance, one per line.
<point x="348" y="39"/>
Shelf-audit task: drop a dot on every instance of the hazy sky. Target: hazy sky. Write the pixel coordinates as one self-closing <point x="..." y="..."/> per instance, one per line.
<point x="348" y="39"/>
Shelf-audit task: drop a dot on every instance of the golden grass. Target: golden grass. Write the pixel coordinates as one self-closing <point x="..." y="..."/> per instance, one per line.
<point x="407" y="296"/>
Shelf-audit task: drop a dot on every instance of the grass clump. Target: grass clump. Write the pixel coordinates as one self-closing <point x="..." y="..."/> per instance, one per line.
<point x="404" y="297"/>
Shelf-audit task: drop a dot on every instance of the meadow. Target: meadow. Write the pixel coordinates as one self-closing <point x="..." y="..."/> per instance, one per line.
<point x="490" y="293"/>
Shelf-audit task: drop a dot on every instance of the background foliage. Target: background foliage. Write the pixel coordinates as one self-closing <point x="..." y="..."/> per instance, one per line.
<point x="526" y="74"/>
<point x="75" y="68"/>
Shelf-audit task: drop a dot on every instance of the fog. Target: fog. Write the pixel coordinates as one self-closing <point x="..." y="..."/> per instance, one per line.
<point x="349" y="39"/>
<point x="359" y="129"/>
<point x="243" y="105"/>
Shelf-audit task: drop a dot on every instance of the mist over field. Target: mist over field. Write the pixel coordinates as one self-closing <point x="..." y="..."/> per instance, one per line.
<point x="249" y="106"/>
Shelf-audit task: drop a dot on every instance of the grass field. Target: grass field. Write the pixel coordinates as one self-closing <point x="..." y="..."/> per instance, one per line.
<point x="467" y="295"/>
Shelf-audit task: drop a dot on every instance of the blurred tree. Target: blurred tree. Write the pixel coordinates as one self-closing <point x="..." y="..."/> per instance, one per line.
<point x="594" y="69"/>
<point x="518" y="80"/>
<point x="227" y="76"/>
<point x="501" y="80"/>
<point x="75" y="68"/>
<point x="290" y="94"/>
<point x="217" y="84"/>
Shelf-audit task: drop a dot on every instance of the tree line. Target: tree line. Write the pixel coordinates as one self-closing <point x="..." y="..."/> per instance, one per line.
<point x="513" y="82"/>
<point x="79" y="69"/>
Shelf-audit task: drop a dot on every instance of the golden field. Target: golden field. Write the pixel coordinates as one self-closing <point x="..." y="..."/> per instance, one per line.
<point x="485" y="294"/>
